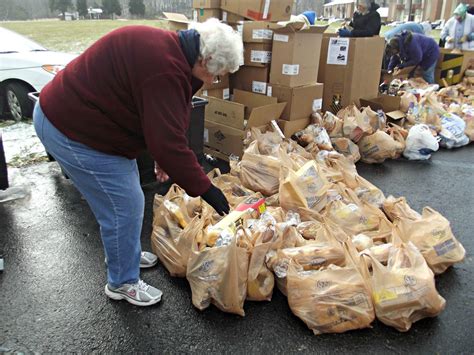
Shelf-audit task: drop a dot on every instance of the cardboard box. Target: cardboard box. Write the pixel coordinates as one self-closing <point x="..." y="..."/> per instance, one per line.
<point x="245" y="110"/>
<point x="300" y="101"/>
<point x="257" y="31"/>
<point x="222" y="84"/>
<point x="258" y="10"/>
<point x="231" y="18"/>
<point x="227" y="140"/>
<point x="176" y="22"/>
<point x="221" y="93"/>
<point x="251" y="79"/>
<point x="257" y="54"/>
<point x="350" y="70"/>
<point x="291" y="127"/>
<point x="206" y="4"/>
<point x="296" y="54"/>
<point x="387" y="103"/>
<point x="201" y="15"/>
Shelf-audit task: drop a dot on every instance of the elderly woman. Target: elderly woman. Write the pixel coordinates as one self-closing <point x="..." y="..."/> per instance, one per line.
<point x="424" y="28"/>
<point x="458" y="32"/>
<point x="131" y="91"/>
<point x="365" y="22"/>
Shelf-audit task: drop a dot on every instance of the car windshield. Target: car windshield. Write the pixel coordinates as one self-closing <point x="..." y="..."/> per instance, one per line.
<point x="12" y="42"/>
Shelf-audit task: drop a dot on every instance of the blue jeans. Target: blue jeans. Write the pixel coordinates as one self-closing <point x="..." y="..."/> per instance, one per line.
<point x="428" y="74"/>
<point x="111" y="186"/>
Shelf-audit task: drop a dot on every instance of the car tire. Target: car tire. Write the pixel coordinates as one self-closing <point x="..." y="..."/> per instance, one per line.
<point x="18" y="104"/>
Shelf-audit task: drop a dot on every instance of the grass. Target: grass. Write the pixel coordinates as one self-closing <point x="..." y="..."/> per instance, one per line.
<point x="70" y="36"/>
<point x="76" y="36"/>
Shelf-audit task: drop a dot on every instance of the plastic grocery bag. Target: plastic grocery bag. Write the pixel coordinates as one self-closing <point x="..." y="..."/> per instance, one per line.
<point x="378" y="147"/>
<point x="404" y="291"/>
<point x="452" y="131"/>
<point x="174" y="230"/>
<point x="399" y="135"/>
<point x="368" y="192"/>
<point x="218" y="275"/>
<point x="356" y="125"/>
<point x="432" y="235"/>
<point x="231" y="186"/>
<point x="260" y="173"/>
<point x="468" y="117"/>
<point x="333" y="299"/>
<point x="376" y="119"/>
<point x="420" y="143"/>
<point x="346" y="147"/>
<point x="398" y="208"/>
<point x="407" y="100"/>
<point x="333" y="125"/>
<point x="306" y="187"/>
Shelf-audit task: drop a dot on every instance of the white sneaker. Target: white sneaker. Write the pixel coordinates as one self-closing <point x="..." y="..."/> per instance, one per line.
<point x="147" y="260"/>
<point x="139" y="294"/>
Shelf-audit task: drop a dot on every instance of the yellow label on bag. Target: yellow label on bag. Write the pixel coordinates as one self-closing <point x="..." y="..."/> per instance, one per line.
<point x="384" y="295"/>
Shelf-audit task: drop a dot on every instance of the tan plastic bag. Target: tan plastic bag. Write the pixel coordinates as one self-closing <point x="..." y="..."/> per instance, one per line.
<point x="231" y="187"/>
<point x="330" y="300"/>
<point x="399" y="135"/>
<point x="404" y="291"/>
<point x="406" y="100"/>
<point x="260" y="173"/>
<point x="398" y="208"/>
<point x="376" y="121"/>
<point x="333" y="125"/>
<point x="368" y="192"/>
<point x="218" y="275"/>
<point x="378" y="147"/>
<point x="260" y="279"/>
<point x="306" y="188"/>
<point x="346" y="147"/>
<point x="169" y="240"/>
<point x="432" y="235"/>
<point x="356" y="125"/>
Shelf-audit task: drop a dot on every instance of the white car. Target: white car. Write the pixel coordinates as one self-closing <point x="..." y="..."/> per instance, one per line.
<point x="25" y="66"/>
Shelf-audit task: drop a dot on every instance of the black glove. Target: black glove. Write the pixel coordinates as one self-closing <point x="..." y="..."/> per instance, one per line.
<point x="216" y="199"/>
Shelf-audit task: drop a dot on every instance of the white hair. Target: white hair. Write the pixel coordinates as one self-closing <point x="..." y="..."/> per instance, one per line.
<point x="220" y="45"/>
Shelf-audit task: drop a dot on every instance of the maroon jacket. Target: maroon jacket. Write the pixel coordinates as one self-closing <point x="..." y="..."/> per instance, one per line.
<point x="130" y="91"/>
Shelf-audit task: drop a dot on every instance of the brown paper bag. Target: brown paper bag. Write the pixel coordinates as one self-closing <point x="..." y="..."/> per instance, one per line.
<point x="398" y="208"/>
<point x="404" y="291"/>
<point x="377" y="147"/>
<point x="432" y="235"/>
<point x="330" y="300"/>
<point x="218" y="275"/>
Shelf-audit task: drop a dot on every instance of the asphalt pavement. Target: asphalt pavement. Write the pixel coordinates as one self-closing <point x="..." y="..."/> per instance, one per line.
<point x="52" y="299"/>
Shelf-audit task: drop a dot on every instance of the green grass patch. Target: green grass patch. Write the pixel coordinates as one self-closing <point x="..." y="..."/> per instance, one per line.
<point x="71" y="36"/>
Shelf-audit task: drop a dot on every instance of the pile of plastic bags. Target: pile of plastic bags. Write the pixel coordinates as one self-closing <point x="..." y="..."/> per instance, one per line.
<point x="328" y="239"/>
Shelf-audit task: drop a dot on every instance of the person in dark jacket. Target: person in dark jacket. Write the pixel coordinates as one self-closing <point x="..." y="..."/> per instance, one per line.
<point x="132" y="91"/>
<point x="414" y="49"/>
<point x="365" y="22"/>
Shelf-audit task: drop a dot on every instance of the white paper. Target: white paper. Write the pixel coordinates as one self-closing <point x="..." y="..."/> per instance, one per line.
<point x="280" y="38"/>
<point x="224" y="16"/>
<point x="317" y="105"/>
<point x="277" y="129"/>
<point x="260" y="56"/>
<point x="206" y="135"/>
<point x="338" y="51"/>
<point x="195" y="15"/>
<point x="226" y="94"/>
<point x="259" y="87"/>
<point x="240" y="29"/>
<point x="204" y="92"/>
<point x="266" y="9"/>
<point x="290" y="69"/>
<point x="262" y="34"/>
<point x="269" y="90"/>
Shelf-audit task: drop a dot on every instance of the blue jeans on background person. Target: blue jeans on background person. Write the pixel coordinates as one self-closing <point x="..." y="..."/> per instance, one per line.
<point x="111" y="186"/>
<point x="428" y="74"/>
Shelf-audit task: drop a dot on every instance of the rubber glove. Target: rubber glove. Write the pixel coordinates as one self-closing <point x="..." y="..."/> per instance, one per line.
<point x="216" y="199"/>
<point x="344" y="32"/>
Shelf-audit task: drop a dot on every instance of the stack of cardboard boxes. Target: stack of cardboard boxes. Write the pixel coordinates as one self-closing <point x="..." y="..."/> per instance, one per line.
<point x="283" y="72"/>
